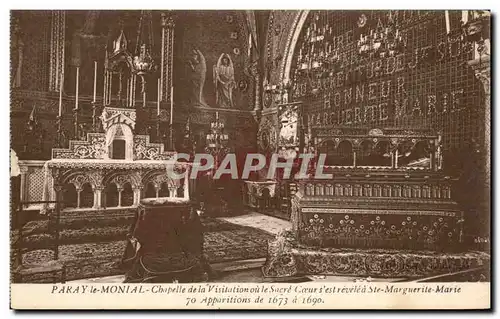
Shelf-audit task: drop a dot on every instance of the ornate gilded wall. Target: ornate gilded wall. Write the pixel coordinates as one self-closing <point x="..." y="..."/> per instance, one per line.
<point x="280" y="27"/>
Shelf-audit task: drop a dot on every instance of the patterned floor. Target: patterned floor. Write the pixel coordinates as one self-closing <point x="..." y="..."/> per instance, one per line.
<point x="264" y="222"/>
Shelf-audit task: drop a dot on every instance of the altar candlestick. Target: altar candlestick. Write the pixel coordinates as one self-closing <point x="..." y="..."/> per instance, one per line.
<point x="447" y="19"/>
<point x="95" y="81"/>
<point x="216" y="115"/>
<point x="159" y="95"/>
<point x="60" y="94"/>
<point x="76" y="86"/>
<point x="171" y="105"/>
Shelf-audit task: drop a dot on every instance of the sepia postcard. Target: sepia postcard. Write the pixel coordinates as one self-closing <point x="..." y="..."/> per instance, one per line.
<point x="250" y="159"/>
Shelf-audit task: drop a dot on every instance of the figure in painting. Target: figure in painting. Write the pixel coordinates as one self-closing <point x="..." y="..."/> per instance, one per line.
<point x="196" y="72"/>
<point x="18" y="48"/>
<point x="224" y="81"/>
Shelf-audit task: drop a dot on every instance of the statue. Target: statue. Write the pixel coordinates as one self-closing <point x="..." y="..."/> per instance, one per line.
<point x="89" y="25"/>
<point x="196" y="72"/>
<point x="224" y="81"/>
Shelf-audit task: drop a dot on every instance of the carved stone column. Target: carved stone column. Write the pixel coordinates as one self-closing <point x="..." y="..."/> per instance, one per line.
<point x="120" y="189"/>
<point x="167" y="56"/>
<point x="58" y="188"/>
<point x="78" y="192"/>
<point x="57" y="43"/>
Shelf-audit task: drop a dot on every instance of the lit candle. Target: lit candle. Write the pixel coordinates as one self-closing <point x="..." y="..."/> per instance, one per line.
<point x="95" y="81"/>
<point x="158" y="111"/>
<point x="171" y="105"/>
<point x="60" y="93"/>
<point x="216" y="115"/>
<point x="76" y="87"/>
<point x="447" y="19"/>
<point x="465" y="16"/>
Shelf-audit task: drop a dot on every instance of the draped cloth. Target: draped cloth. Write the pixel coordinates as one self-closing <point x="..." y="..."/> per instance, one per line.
<point x="110" y="136"/>
<point x="165" y="244"/>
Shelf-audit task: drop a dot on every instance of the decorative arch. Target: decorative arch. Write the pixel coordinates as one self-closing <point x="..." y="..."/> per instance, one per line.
<point x="336" y="141"/>
<point x="112" y="195"/>
<point x="120" y="179"/>
<point x="86" y="196"/>
<point x="149" y="190"/>
<point x="70" y="195"/>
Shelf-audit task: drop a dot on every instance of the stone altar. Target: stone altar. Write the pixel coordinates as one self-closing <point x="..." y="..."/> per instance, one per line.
<point x="92" y="177"/>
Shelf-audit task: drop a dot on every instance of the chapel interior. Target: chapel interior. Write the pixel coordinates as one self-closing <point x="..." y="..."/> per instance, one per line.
<point x="397" y="102"/>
